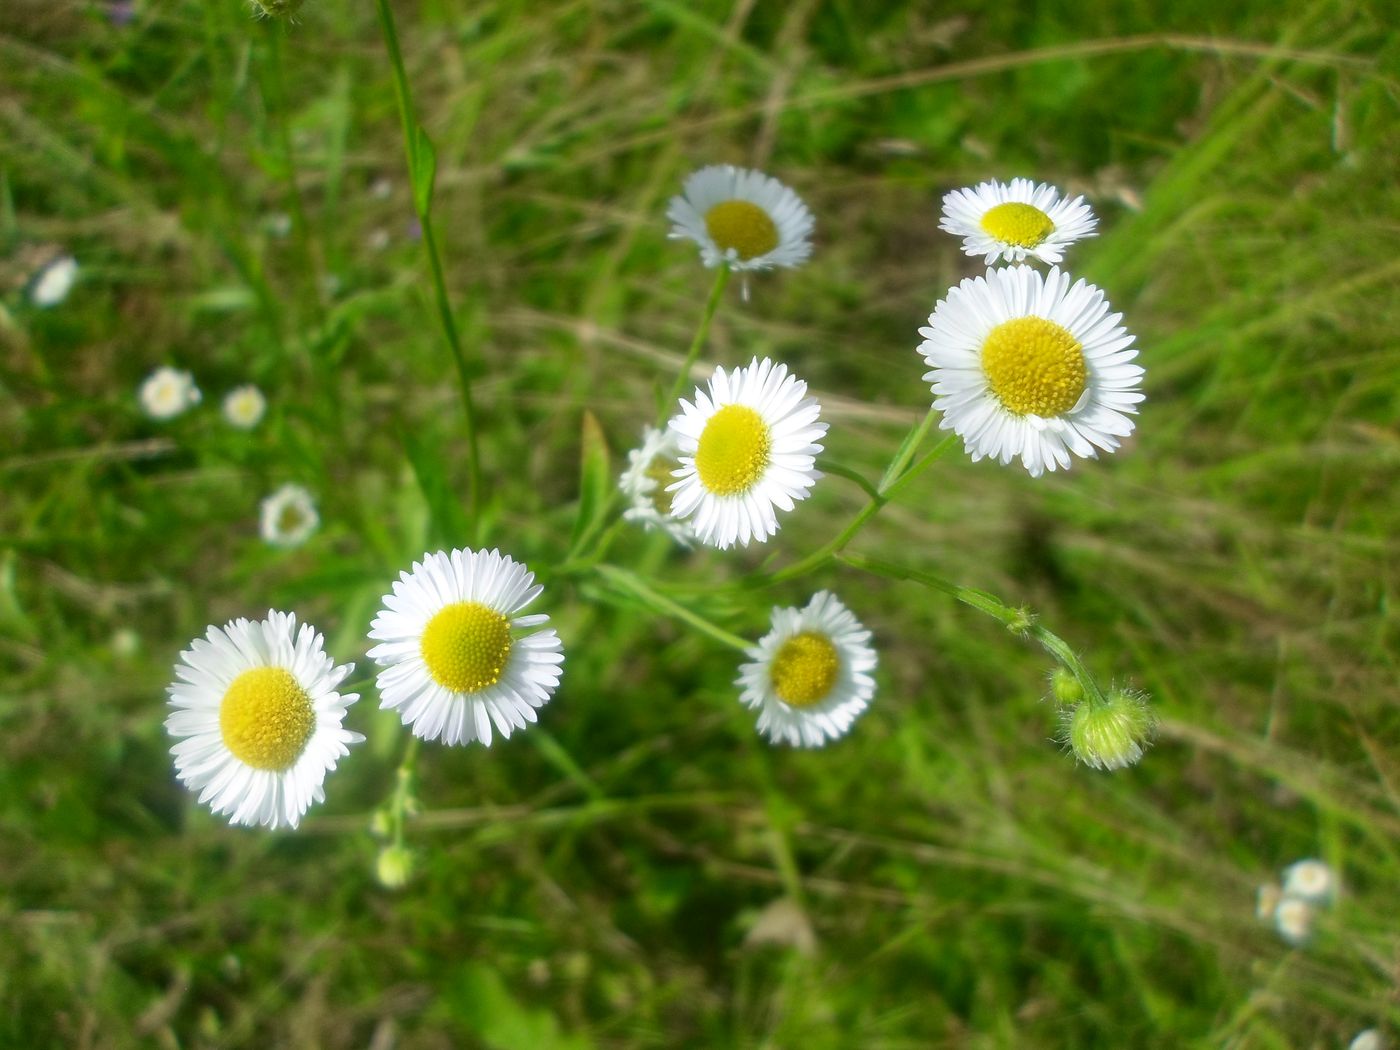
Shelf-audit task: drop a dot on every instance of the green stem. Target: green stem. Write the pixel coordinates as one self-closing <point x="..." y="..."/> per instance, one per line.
<point x="403" y="788"/>
<point x="278" y="106"/>
<point x="635" y="586"/>
<point x="422" y="205"/>
<point x="697" y="343"/>
<point x="906" y="451"/>
<point x="1018" y="620"/>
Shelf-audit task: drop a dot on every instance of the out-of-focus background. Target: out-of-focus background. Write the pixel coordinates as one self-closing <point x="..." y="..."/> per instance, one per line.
<point x="643" y="870"/>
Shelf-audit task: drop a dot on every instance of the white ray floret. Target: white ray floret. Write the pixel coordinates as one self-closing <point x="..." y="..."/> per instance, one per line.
<point x="650" y="469"/>
<point x="244" y="407"/>
<point x="257" y="716"/>
<point x="457" y="656"/>
<point x="1031" y="367"/>
<point x="288" y="517"/>
<point x="1016" y="220"/>
<point x="742" y="218"/>
<point x="168" y="392"/>
<point x="811" y="675"/>
<point x="748" y="448"/>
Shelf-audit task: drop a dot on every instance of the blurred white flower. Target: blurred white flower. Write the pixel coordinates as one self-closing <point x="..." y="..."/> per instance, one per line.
<point x="54" y="282"/>
<point x="744" y="219"/>
<point x="289" y="517"/>
<point x="1293" y="918"/>
<point x="1310" y="880"/>
<point x="168" y="392"/>
<point x="1016" y="220"/>
<point x="650" y="470"/>
<point x="1266" y="901"/>
<point x="1369" y="1039"/>
<point x="244" y="407"/>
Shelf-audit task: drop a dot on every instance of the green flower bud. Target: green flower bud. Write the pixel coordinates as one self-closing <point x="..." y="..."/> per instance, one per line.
<point x="1110" y="735"/>
<point x="394" y="866"/>
<point x="277" y="8"/>
<point x="1066" y="687"/>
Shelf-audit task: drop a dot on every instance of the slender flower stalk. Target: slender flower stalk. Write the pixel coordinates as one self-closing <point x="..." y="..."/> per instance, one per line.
<point x="697" y="344"/>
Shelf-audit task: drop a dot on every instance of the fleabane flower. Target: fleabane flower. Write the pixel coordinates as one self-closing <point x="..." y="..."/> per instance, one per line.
<point x="1294" y="919"/>
<point x="1027" y="366"/>
<point x="168" y="392"/>
<point x="257" y="716"/>
<point x="457" y="655"/>
<point x="747" y="448"/>
<point x="1310" y="880"/>
<point x="650" y="469"/>
<point x="1016" y="220"/>
<point x="244" y="407"/>
<point x="811" y="675"/>
<point x="742" y="218"/>
<point x="288" y="517"/>
<point x="53" y="283"/>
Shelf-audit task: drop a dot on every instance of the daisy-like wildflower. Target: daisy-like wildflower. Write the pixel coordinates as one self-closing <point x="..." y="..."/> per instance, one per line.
<point x="811" y="675"/>
<point x="1293" y="918"/>
<point x="1266" y="900"/>
<point x="1367" y="1039"/>
<point x="742" y="218"/>
<point x="1016" y="220"/>
<point x="1025" y="365"/>
<point x="54" y="282"/>
<point x="288" y="517"/>
<point x="1310" y="880"/>
<point x="650" y="469"/>
<point x="244" y="407"/>
<point x="747" y="446"/>
<point x="457" y="656"/>
<point x="257" y="716"/>
<point x="168" y="392"/>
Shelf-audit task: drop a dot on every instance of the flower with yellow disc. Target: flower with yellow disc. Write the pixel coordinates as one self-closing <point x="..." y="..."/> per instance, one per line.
<point x="1016" y="220"/>
<point x="742" y="218"/>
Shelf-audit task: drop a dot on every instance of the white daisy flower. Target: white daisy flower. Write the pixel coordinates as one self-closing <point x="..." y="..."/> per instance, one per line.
<point x="257" y="716"/>
<point x="1293" y="918"/>
<point x="744" y="219"/>
<point x="1367" y="1039"/>
<point x="811" y="674"/>
<point x="244" y="407"/>
<point x="1266" y="900"/>
<point x="1310" y="880"/>
<point x="288" y="517"/>
<point x="54" y="282"/>
<point x="167" y="392"/>
<point x="1016" y="220"/>
<point x="747" y="446"/>
<point x="456" y="655"/>
<point x="650" y="469"/>
<point x="1024" y="365"/>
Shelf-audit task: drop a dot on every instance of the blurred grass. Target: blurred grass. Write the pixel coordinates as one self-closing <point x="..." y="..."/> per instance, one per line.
<point x="596" y="883"/>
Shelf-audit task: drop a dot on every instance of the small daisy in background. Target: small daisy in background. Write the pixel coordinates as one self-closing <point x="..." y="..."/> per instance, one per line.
<point x="1266" y="900"/>
<point x="650" y="470"/>
<point x="1368" y="1039"/>
<point x="456" y="654"/>
<point x="1027" y="366"/>
<point x="288" y="517"/>
<point x="747" y="446"/>
<point x="168" y="392"/>
<point x="744" y="219"/>
<point x="811" y="674"/>
<point x="1310" y="880"/>
<point x="244" y="407"/>
<point x="1016" y="220"/>
<point x="1309" y="886"/>
<point x="257" y="716"/>
<point x="52" y="284"/>
<point x="1294" y="918"/>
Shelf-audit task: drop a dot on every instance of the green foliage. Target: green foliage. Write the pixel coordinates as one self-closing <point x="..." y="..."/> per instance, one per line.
<point x="645" y="871"/>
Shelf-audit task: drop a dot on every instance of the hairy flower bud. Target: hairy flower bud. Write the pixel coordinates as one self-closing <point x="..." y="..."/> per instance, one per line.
<point x="1110" y="735"/>
<point x="394" y="867"/>
<point x="277" y="8"/>
<point x="1066" y="687"/>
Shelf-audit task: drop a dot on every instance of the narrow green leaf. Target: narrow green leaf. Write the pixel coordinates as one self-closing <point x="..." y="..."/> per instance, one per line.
<point x="595" y="481"/>
<point x="449" y="520"/>
<point x="424" y="163"/>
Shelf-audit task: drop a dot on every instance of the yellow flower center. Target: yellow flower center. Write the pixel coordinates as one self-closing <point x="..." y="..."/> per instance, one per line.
<point x="733" y="450"/>
<point x="266" y="718"/>
<point x="1023" y="225"/>
<point x="662" y="471"/>
<point x="804" y="669"/>
<point x="290" y="518"/>
<point x="1034" y="366"/>
<point x="745" y="227"/>
<point x="465" y="646"/>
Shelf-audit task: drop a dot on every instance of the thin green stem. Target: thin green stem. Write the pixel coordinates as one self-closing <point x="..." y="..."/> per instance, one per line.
<point x="850" y="475"/>
<point x="906" y="450"/>
<point x="403" y="789"/>
<point x="697" y="343"/>
<point x="929" y="459"/>
<point x="277" y="106"/>
<point x="634" y="585"/>
<point x="418" y="156"/>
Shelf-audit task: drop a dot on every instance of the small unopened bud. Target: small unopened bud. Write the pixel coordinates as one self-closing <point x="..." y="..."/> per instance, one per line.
<point x="1066" y="687"/>
<point x="1110" y="735"/>
<point x="277" y="8"/>
<point x="381" y="823"/>
<point x="394" y="867"/>
<point x="1021" y="622"/>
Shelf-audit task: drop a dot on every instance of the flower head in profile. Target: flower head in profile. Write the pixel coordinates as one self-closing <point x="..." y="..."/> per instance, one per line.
<point x="747" y="448"/>
<point x="1111" y="734"/>
<point x="1027" y="366"/>
<point x="288" y="517"/>
<point x="244" y="407"/>
<point x="1310" y="880"/>
<point x="257" y="716"/>
<point x="1016" y="220"/>
<point x="168" y="392"/>
<point x="811" y="675"/>
<point x="1294" y="919"/>
<point x="744" y="219"/>
<point x="53" y="283"/>
<point x="458" y="655"/>
<point x="650" y="470"/>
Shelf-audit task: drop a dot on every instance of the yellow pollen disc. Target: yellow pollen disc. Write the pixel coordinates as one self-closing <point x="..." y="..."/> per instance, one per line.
<point x="1020" y="224"/>
<point x="289" y="518"/>
<point x="745" y="227"/>
<point x="662" y="471"/>
<point x="266" y="718"/>
<point x="733" y="450"/>
<point x="1034" y="366"/>
<point x="465" y="646"/>
<point x="804" y="669"/>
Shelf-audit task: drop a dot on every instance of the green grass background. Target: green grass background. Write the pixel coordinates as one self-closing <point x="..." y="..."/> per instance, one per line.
<point x="596" y="882"/>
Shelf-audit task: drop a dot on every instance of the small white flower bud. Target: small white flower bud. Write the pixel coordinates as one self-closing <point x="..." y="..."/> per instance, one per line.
<point x="394" y="867"/>
<point x="1110" y="735"/>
